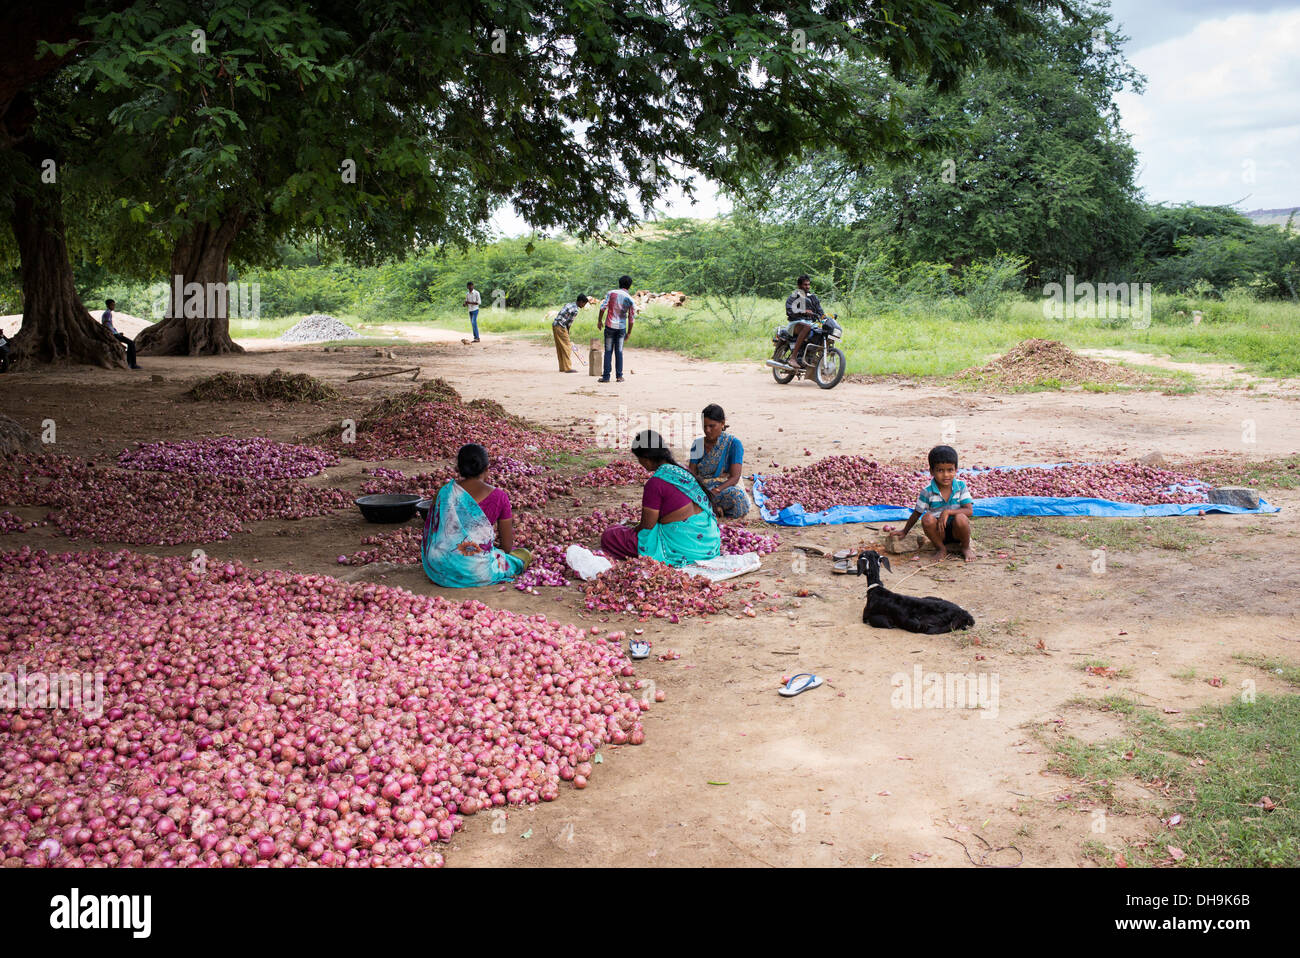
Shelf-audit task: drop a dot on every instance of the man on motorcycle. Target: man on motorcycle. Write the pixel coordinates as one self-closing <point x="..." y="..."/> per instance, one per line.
<point x="802" y="309"/>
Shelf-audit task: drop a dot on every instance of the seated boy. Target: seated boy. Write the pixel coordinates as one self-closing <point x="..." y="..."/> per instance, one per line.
<point x="944" y="506"/>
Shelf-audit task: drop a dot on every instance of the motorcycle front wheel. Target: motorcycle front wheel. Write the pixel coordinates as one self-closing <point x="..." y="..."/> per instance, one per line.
<point x="830" y="368"/>
<point x="781" y="354"/>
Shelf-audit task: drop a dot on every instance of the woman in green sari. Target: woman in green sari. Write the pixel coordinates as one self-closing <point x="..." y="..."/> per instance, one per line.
<point x="459" y="549"/>
<point x="677" y="525"/>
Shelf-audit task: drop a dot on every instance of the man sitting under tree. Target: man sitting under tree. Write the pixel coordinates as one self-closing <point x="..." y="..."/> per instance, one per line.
<point x="107" y="320"/>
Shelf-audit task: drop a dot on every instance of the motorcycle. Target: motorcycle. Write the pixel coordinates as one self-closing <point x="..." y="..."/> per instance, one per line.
<point x="823" y="361"/>
<point x="4" y="354"/>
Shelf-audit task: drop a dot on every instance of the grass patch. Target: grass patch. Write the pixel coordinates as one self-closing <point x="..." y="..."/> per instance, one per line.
<point x="271" y="327"/>
<point x="935" y="338"/>
<point x="1105" y="388"/>
<point x="920" y="336"/>
<point x="1219" y="772"/>
<point x="1174" y="533"/>
<point x="577" y="461"/>
<point x="1186" y="675"/>
<point x="1108" y="703"/>
<point x="1097" y="666"/>
<point x="1286" y="671"/>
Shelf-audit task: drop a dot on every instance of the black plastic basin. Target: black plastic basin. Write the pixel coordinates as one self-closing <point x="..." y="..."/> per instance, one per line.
<point x="387" y="508"/>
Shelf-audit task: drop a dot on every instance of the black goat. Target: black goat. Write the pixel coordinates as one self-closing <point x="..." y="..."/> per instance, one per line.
<point x="889" y="610"/>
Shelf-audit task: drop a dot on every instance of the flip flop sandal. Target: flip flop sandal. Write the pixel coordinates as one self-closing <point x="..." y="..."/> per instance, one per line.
<point x="639" y="650"/>
<point x="810" y="550"/>
<point x="795" y="686"/>
<point x="845" y="567"/>
<point x="844" y="554"/>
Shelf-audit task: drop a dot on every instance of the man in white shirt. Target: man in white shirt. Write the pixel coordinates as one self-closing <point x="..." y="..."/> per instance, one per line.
<point x="616" y="314"/>
<point x="472" y="302"/>
<point x="107" y="320"/>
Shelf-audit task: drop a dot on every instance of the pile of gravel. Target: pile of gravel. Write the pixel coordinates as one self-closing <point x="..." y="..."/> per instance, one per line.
<point x="319" y="328"/>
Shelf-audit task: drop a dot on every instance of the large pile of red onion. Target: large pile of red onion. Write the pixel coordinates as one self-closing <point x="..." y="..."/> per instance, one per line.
<point x="436" y="430"/>
<point x="853" y="481"/>
<point x="226" y="456"/>
<point x="123" y="505"/>
<point x="150" y="509"/>
<point x="264" y="718"/>
<point x="1116" y="481"/>
<point x="840" y="481"/>
<point x="645" y="588"/>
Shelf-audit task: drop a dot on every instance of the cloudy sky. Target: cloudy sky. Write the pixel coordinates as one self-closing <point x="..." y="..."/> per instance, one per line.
<point x="1220" y="119"/>
<point x="1219" y="122"/>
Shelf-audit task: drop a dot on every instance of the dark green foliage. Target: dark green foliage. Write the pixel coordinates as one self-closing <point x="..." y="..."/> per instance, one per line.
<point x="1031" y="163"/>
<point x="449" y="109"/>
<point x="1212" y="249"/>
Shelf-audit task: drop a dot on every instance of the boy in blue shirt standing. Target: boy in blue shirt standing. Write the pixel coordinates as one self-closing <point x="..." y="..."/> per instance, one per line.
<point x="944" y="506"/>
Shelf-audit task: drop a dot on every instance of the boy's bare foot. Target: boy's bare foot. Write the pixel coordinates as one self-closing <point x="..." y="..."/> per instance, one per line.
<point x="943" y="554"/>
<point x="968" y="553"/>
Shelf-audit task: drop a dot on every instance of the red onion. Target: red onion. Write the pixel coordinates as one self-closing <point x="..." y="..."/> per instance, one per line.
<point x="852" y="480"/>
<point x="254" y="458"/>
<point x="264" y="718"/>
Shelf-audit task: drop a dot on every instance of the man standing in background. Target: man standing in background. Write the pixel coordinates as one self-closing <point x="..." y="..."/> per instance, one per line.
<point x="616" y="311"/>
<point x="560" y="327"/>
<point x="107" y="320"/>
<point x="472" y="302"/>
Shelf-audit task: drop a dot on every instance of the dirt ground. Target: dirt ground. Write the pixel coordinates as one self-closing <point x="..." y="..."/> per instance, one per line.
<point x="731" y="773"/>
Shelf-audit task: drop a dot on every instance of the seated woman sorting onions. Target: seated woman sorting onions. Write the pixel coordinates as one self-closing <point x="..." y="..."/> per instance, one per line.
<point x="468" y="516"/>
<point x="677" y="525"/>
<point x="716" y="460"/>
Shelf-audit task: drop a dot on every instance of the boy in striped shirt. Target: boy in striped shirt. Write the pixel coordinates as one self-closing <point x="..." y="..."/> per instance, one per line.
<point x="944" y="506"/>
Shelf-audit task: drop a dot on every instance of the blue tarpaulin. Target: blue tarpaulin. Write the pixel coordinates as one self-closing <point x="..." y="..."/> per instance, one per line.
<point x="795" y="515"/>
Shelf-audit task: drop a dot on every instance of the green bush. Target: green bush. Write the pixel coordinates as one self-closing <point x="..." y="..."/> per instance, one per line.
<point x="311" y="289"/>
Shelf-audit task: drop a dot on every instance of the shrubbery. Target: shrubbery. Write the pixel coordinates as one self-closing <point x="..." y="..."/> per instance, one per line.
<point x="1197" y="253"/>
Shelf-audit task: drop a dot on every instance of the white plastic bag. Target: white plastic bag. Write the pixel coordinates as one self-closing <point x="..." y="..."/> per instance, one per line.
<point x="586" y="563"/>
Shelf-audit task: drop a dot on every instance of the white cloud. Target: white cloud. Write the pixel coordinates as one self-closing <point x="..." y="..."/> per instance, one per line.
<point x="1220" y="120"/>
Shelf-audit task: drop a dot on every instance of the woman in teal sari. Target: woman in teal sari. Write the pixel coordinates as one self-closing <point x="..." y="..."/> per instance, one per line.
<point x="716" y="460"/>
<point x="677" y="525"/>
<point x="459" y="549"/>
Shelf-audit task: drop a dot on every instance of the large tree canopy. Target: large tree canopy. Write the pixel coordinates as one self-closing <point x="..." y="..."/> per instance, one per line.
<point x="1030" y="162"/>
<point x="382" y="126"/>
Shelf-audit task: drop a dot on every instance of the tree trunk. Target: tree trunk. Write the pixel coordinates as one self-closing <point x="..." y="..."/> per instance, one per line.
<point x="56" y="325"/>
<point x="198" y="323"/>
